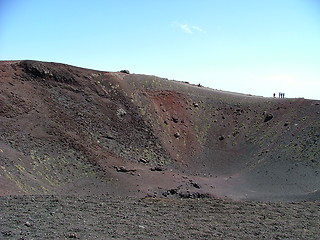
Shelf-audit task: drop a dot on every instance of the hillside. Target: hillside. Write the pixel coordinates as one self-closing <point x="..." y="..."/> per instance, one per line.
<point x="68" y="130"/>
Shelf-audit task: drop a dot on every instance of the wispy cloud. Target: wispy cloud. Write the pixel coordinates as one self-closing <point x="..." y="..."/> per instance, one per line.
<point x="188" y="29"/>
<point x="198" y="29"/>
<point x="185" y="28"/>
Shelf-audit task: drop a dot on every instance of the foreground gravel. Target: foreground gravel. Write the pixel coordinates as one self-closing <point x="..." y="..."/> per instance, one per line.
<point x="108" y="217"/>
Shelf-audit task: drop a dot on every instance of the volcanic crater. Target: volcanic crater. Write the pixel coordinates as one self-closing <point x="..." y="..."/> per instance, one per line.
<point x="67" y="130"/>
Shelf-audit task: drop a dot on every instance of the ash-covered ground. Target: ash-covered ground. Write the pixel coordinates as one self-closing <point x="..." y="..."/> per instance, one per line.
<point x="110" y="217"/>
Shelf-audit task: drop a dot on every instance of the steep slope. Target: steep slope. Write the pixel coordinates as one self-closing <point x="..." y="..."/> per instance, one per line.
<point x="67" y="130"/>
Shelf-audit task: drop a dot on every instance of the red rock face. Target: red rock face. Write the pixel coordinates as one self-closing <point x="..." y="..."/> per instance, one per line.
<point x="68" y="130"/>
<point x="172" y="113"/>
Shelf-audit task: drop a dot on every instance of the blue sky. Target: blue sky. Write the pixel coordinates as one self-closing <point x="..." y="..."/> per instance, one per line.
<point x="250" y="46"/>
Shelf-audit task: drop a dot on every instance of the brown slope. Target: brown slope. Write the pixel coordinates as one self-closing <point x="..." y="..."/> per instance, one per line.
<point x="71" y="130"/>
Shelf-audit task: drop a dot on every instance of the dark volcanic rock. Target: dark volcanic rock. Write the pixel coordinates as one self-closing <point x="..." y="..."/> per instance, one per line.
<point x="123" y="169"/>
<point x="157" y="168"/>
<point x="268" y="117"/>
<point x="175" y="119"/>
<point x="196" y="185"/>
<point x="125" y="71"/>
<point x="49" y="71"/>
<point x="221" y="138"/>
<point x="143" y="160"/>
<point x="177" y="135"/>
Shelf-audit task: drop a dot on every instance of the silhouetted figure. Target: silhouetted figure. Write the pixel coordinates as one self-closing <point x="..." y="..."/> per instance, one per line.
<point x="282" y="95"/>
<point x="279" y="94"/>
<point x="274" y="95"/>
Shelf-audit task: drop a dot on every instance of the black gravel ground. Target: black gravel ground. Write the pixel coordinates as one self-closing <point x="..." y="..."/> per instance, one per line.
<point x="109" y="217"/>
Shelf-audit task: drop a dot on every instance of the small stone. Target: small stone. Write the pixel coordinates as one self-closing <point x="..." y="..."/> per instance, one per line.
<point x="28" y="224"/>
<point x="177" y="135"/>
<point x="196" y="185"/>
<point x="157" y="168"/>
<point x="175" y="119"/>
<point x="143" y="160"/>
<point x="72" y="235"/>
<point x="123" y="169"/>
<point x="221" y="138"/>
<point x="121" y="112"/>
<point x="268" y="117"/>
